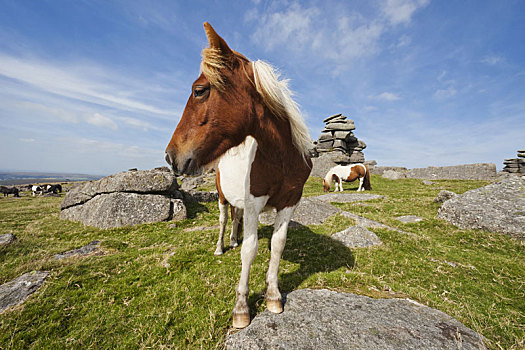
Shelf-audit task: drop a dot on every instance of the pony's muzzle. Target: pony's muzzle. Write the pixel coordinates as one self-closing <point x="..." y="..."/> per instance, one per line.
<point x="186" y="166"/>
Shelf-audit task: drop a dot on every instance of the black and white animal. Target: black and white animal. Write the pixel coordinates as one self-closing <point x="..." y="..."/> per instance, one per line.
<point x="36" y="190"/>
<point x="53" y="188"/>
<point x="9" y="190"/>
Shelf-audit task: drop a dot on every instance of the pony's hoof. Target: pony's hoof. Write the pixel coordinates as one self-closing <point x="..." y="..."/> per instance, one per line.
<point x="241" y="320"/>
<point x="234" y="245"/>
<point x="275" y="306"/>
<point x="218" y="251"/>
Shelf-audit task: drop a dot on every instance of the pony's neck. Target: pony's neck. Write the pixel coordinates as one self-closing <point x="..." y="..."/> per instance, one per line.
<point x="273" y="135"/>
<point x="328" y="177"/>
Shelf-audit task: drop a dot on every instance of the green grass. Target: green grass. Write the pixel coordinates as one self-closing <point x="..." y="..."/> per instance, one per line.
<point x="161" y="287"/>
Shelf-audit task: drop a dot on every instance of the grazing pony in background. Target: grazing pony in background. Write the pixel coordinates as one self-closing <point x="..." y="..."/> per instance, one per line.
<point x="9" y="190"/>
<point x="241" y="118"/>
<point x="35" y="189"/>
<point x="54" y="188"/>
<point x="349" y="173"/>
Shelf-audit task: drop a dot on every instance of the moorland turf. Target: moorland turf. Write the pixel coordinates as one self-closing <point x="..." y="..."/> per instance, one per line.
<point x="160" y="286"/>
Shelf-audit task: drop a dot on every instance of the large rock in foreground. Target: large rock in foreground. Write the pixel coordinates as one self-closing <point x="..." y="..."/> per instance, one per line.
<point x="498" y="207"/>
<point x="127" y="198"/>
<point x="323" y="319"/>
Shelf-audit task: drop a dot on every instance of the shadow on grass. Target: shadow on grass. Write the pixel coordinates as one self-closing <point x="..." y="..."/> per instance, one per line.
<point x="313" y="252"/>
<point x="193" y="208"/>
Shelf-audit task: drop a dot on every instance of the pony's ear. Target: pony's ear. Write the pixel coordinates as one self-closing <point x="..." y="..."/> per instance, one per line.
<point x="215" y="41"/>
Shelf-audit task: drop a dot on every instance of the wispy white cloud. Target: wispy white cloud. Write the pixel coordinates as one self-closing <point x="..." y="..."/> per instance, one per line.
<point x="493" y="59"/>
<point x="137" y="123"/>
<point x="341" y="37"/>
<point x="101" y="121"/>
<point x="291" y="27"/>
<point x="386" y="96"/>
<point x="445" y="93"/>
<point x="401" y="11"/>
<point x="403" y="41"/>
<point x="41" y="110"/>
<point x="81" y="82"/>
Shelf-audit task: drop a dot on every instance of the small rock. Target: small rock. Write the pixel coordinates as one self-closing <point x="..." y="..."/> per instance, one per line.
<point x="7" y="239"/>
<point x="16" y="291"/>
<point x="357" y="237"/>
<point x="443" y="196"/>
<point x="409" y="219"/>
<point x="89" y="249"/>
<point x="428" y="183"/>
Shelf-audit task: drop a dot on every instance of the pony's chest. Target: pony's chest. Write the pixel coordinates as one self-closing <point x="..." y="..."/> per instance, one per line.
<point x="235" y="169"/>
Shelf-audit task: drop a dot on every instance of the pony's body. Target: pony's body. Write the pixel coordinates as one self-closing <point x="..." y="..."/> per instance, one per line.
<point x="242" y="119"/>
<point x="35" y="189"/>
<point x="347" y="173"/>
<point x="9" y="190"/>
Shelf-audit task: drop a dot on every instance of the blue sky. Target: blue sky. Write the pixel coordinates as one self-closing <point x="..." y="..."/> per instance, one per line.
<point x="98" y="86"/>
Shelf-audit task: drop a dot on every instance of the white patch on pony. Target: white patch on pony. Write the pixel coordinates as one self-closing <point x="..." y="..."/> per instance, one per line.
<point x="235" y="168"/>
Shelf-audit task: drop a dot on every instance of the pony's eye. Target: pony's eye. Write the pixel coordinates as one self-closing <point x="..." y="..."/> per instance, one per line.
<point x="199" y="91"/>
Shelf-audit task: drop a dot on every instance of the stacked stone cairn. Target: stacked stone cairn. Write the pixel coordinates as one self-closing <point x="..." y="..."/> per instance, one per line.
<point x="337" y="135"/>
<point x="516" y="165"/>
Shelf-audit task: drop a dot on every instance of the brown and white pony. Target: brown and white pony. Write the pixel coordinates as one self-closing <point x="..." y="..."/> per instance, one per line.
<point x="241" y="118"/>
<point x="349" y="173"/>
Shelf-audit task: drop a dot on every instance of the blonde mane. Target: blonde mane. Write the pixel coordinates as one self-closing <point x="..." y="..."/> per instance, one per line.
<point x="278" y="97"/>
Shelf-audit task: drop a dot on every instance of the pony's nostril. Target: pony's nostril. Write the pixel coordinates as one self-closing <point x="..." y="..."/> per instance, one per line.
<point x="168" y="158"/>
<point x="186" y="168"/>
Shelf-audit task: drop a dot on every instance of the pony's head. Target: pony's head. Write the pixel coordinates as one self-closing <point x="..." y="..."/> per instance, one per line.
<point x="218" y="113"/>
<point x="326" y="186"/>
<point x="229" y="101"/>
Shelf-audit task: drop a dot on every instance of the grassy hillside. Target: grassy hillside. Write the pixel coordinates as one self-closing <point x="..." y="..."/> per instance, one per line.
<point x="161" y="287"/>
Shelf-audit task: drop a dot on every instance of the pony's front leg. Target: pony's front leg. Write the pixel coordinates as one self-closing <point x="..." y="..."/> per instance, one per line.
<point x="241" y="311"/>
<point x="340" y="185"/>
<point x="223" y="220"/>
<point x="273" y="296"/>
<point x="236" y="225"/>
<point x="361" y="180"/>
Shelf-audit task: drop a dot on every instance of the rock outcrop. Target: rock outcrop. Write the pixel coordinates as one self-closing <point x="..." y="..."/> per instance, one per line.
<point x="515" y="165"/>
<point x="126" y="198"/>
<point x="336" y="145"/>
<point x="498" y="207"/>
<point x="393" y="175"/>
<point x="479" y="171"/>
<point x="323" y="319"/>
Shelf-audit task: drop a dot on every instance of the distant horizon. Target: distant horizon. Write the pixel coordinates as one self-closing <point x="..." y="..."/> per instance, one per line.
<point x="46" y="172"/>
<point x="499" y="167"/>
